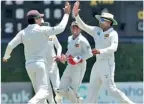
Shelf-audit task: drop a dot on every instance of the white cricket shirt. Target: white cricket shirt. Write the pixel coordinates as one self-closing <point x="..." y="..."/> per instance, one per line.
<point x="79" y="47"/>
<point x="35" y="40"/>
<point x="106" y="42"/>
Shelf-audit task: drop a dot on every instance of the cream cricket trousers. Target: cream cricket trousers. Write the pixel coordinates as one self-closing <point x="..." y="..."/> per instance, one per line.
<point x="103" y="74"/>
<point x="37" y="72"/>
<point x="54" y="77"/>
<point x="72" y="79"/>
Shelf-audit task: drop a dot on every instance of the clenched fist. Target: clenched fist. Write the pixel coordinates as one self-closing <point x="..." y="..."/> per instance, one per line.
<point x="95" y="51"/>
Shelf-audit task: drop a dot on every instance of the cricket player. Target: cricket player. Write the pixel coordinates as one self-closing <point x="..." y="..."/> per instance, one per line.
<point x="54" y="71"/>
<point x="106" y="43"/>
<point x="35" y="40"/>
<point x="79" y="51"/>
<point x="52" y="58"/>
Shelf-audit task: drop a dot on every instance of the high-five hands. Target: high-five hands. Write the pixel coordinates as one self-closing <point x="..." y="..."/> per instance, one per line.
<point x="76" y="8"/>
<point x="67" y="8"/>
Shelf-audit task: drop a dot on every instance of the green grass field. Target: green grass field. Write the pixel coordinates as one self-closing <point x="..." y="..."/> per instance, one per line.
<point x="129" y="64"/>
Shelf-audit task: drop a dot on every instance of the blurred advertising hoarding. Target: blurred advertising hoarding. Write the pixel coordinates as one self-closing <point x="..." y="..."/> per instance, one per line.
<point x="21" y="92"/>
<point x="16" y="92"/>
<point x="134" y="90"/>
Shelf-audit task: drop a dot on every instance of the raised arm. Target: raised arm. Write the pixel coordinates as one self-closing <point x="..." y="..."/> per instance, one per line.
<point x="89" y="29"/>
<point x="68" y="41"/>
<point x="62" y="25"/>
<point x="11" y="45"/>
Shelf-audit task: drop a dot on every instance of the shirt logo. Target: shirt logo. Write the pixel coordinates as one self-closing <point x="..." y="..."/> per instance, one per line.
<point x="98" y="33"/>
<point x="78" y="57"/>
<point x="106" y="76"/>
<point x="77" y="45"/>
<point x="50" y="39"/>
<point x="106" y="35"/>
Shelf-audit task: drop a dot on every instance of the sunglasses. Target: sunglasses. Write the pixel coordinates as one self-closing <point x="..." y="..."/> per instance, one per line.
<point x="103" y="20"/>
<point x="38" y="17"/>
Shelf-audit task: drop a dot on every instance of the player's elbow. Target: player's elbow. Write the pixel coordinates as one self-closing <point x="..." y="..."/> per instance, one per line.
<point x="89" y="55"/>
<point x="63" y="27"/>
<point x="114" y="49"/>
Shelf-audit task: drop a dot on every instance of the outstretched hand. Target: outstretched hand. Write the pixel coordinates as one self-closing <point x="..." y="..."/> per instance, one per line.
<point x="76" y="8"/>
<point x="5" y="60"/>
<point x="67" y="8"/>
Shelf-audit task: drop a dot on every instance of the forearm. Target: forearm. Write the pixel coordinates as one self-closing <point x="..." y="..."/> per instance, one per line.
<point x="62" y="25"/>
<point x="110" y="49"/>
<point x="84" y="27"/>
<point x="80" y="22"/>
<point x="8" y="51"/>
<point x="59" y="51"/>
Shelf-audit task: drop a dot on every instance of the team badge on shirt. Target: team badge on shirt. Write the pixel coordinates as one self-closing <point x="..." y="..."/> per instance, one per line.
<point x="50" y="38"/>
<point x="98" y="33"/>
<point x="106" y="35"/>
<point x="76" y="45"/>
<point x="106" y="76"/>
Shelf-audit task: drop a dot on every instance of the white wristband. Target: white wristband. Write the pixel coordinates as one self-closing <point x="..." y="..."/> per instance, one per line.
<point x="77" y="59"/>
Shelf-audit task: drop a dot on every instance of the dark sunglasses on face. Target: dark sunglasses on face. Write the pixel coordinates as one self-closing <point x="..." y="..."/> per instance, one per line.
<point x="103" y="20"/>
<point x="38" y="17"/>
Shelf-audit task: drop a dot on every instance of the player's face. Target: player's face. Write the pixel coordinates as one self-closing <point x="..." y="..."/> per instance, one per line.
<point x="75" y="30"/>
<point x="39" y="21"/>
<point x="104" y="23"/>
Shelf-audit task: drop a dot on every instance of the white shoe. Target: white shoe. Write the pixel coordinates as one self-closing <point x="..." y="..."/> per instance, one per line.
<point x="80" y="100"/>
<point x="58" y="98"/>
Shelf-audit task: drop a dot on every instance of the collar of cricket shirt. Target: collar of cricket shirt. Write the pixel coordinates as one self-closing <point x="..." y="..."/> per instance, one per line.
<point x="76" y="37"/>
<point x="32" y="25"/>
<point x="108" y="31"/>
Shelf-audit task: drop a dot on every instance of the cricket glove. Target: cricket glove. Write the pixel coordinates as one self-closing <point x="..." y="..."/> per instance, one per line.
<point x="74" y="60"/>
